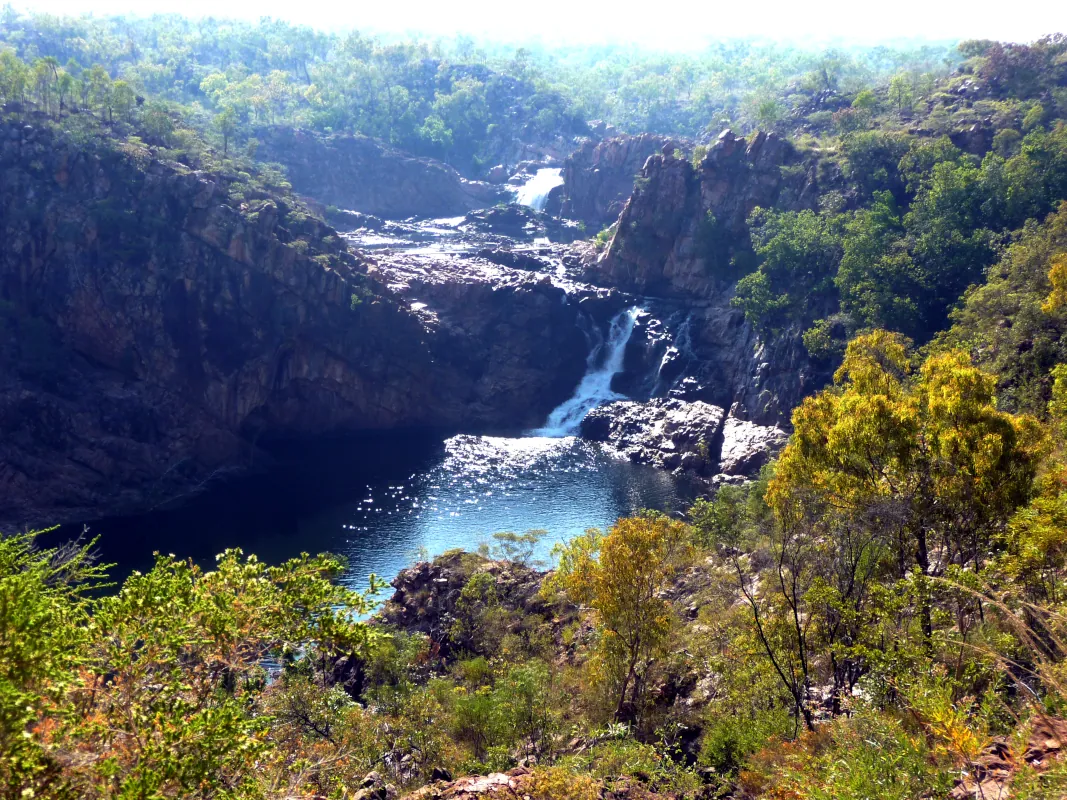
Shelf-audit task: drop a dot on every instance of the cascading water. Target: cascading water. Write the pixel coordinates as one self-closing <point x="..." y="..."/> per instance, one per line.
<point x="534" y="193"/>
<point x="595" y="388"/>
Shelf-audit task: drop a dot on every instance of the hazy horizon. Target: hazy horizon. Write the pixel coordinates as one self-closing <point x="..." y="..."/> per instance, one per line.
<point x="688" y="24"/>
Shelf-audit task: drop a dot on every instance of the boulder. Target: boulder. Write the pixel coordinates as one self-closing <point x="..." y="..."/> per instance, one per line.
<point x="746" y="446"/>
<point x="690" y="437"/>
<point x="667" y="433"/>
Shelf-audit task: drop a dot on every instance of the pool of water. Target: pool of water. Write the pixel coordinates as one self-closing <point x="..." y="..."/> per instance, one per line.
<point x="385" y="501"/>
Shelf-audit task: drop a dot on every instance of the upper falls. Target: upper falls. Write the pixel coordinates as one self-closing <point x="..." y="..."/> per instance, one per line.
<point x="605" y="360"/>
<point x="534" y="193"/>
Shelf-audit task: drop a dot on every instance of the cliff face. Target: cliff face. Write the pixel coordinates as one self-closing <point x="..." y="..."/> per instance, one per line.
<point x="363" y="174"/>
<point x="153" y="333"/>
<point x="683" y="237"/>
<point x="683" y="225"/>
<point x="512" y="343"/>
<point x="598" y="177"/>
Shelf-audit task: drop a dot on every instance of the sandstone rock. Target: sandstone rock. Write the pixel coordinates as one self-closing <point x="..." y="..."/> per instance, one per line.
<point x="976" y="139"/>
<point x="598" y="178"/>
<point x="517" y="784"/>
<point x="692" y="437"/>
<point x="671" y="434"/>
<point x="667" y="244"/>
<point x="989" y="776"/>
<point x="512" y="348"/>
<point x="746" y="446"/>
<point x="425" y="595"/>
<point x="677" y="237"/>
<point x="364" y="174"/>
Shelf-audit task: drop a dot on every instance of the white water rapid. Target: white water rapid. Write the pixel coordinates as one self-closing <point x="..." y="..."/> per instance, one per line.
<point x="534" y="193"/>
<point x="595" y="388"/>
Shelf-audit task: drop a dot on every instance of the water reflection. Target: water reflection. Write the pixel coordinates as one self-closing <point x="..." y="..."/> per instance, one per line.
<point x="379" y="500"/>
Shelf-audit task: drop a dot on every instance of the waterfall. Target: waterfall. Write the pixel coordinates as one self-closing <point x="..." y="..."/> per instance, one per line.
<point x="595" y="388"/>
<point x="534" y="193"/>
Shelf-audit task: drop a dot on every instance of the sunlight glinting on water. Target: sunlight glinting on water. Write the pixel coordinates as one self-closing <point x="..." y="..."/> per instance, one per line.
<point x="484" y="485"/>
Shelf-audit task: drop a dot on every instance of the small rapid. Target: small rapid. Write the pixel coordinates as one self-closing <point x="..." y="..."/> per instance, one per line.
<point x="534" y="193"/>
<point x="603" y="363"/>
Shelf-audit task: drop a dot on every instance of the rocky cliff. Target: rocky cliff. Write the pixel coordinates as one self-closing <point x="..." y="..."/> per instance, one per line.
<point x="684" y="231"/>
<point x="688" y="437"/>
<point x="156" y="328"/>
<point x="682" y="238"/>
<point x="363" y="174"/>
<point x="598" y="178"/>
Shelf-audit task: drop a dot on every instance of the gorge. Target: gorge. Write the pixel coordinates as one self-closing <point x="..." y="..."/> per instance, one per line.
<point x="491" y="285"/>
<point x="705" y="412"/>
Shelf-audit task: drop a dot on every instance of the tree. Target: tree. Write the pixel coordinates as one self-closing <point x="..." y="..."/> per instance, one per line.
<point x="800" y="251"/>
<point x="620" y="576"/>
<point x="14" y="77"/>
<point x="225" y="122"/>
<point x="157" y="121"/>
<point x="43" y="629"/>
<point x="124" y="99"/>
<point x="64" y="88"/>
<point x="434" y="132"/>
<point x="171" y="675"/>
<point x="926" y="459"/>
<point x="100" y="90"/>
<point x="900" y="92"/>
<point x="879" y="283"/>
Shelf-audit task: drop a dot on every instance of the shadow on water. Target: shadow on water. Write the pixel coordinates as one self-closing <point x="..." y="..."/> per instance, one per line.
<point x="380" y="500"/>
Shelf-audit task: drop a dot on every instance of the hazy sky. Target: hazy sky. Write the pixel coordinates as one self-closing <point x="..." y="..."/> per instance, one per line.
<point x="680" y="23"/>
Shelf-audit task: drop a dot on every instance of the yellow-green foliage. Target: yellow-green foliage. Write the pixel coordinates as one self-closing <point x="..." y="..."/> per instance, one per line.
<point x="620" y="576"/>
<point x="557" y="783"/>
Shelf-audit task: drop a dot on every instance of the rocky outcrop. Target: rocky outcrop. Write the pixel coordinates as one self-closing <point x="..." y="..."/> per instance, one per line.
<point x="746" y="446"/>
<point x="989" y="776"/>
<point x="514" y="349"/>
<point x="694" y="438"/>
<point x="425" y="595"/>
<point x="683" y="238"/>
<point x="364" y="174"/>
<point x="684" y="228"/>
<point x="155" y="333"/>
<point x="598" y="177"/>
<point x="670" y="434"/>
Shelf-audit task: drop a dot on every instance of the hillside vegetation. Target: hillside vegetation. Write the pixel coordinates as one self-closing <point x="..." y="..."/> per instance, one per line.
<point x="461" y="100"/>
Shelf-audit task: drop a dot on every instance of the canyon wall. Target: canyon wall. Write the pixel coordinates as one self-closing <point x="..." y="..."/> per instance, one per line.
<point x="598" y="178"/>
<point x="154" y="332"/>
<point x="682" y="241"/>
<point x="359" y="173"/>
